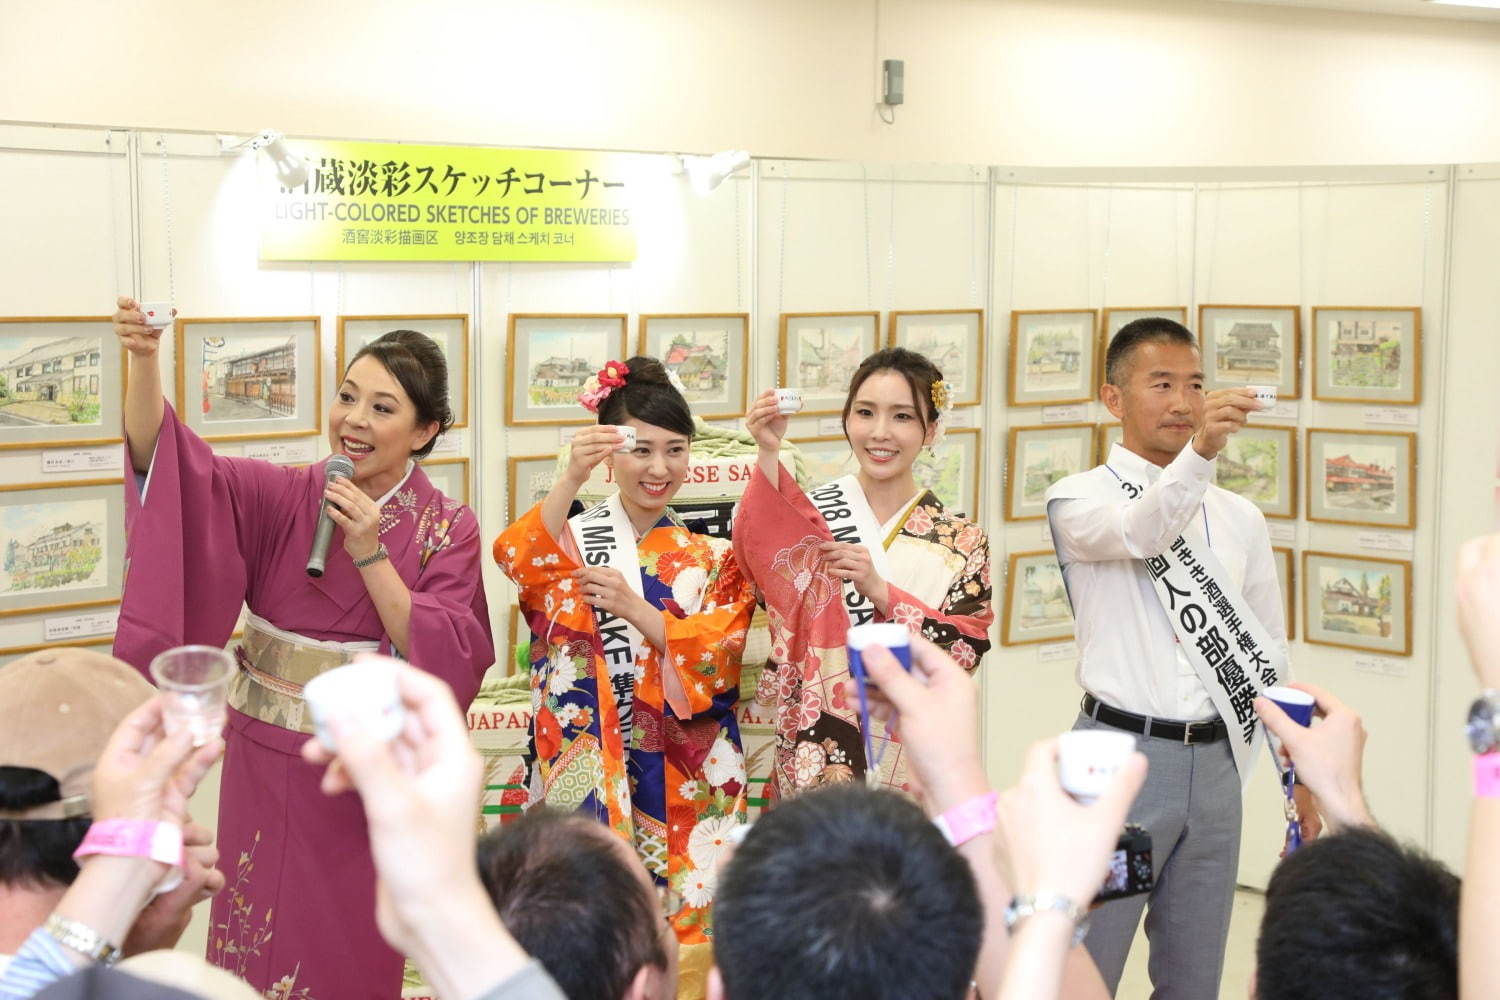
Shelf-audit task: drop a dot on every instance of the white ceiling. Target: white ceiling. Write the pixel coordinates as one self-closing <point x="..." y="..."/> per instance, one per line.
<point x="1400" y="8"/>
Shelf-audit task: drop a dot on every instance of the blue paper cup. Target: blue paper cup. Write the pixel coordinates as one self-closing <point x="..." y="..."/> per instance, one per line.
<point x="892" y="636"/>
<point x="1297" y="704"/>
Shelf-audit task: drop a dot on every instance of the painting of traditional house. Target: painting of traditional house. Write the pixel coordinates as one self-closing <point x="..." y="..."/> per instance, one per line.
<point x="52" y="547"/>
<point x="1249" y="351"/>
<point x="249" y="378"/>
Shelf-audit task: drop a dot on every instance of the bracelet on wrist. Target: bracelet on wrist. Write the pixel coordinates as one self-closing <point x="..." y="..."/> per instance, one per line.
<point x="1022" y="907"/>
<point x="381" y="552"/>
<point x="130" y="838"/>
<point x="970" y="819"/>
<point x="1487" y="775"/>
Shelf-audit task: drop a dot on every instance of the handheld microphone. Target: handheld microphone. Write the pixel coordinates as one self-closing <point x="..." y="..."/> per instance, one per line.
<point x="339" y="467"/>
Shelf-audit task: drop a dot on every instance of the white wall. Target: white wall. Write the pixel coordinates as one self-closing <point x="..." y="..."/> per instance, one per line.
<point x="1058" y="82"/>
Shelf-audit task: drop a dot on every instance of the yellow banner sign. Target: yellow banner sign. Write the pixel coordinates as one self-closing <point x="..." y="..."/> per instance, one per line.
<point x="384" y="201"/>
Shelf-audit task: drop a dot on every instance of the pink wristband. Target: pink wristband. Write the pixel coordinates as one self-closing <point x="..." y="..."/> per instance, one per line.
<point x="1487" y="775"/>
<point x="968" y="820"/>
<point x="131" y="838"/>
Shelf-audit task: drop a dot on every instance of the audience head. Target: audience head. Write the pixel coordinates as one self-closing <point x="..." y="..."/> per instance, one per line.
<point x="845" y="892"/>
<point x="1356" y="915"/>
<point x="58" y="709"/>
<point x="577" y="898"/>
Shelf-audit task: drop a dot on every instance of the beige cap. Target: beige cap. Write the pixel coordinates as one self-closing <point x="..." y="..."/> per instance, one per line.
<point x="58" y="708"/>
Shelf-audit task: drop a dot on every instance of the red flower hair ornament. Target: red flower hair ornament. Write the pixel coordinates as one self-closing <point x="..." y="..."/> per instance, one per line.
<point x="597" y="389"/>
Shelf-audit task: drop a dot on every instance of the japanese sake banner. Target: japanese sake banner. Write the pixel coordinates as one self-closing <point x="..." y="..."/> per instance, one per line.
<point x="387" y="201"/>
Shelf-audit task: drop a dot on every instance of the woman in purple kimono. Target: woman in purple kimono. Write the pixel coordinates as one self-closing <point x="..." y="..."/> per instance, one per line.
<point x="207" y="534"/>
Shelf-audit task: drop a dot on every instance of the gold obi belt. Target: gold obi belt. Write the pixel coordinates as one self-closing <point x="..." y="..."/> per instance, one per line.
<point x="274" y="666"/>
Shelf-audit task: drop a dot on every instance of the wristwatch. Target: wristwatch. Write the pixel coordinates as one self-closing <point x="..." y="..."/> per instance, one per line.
<point x="381" y="552"/>
<point x="1483" y="726"/>
<point x="1022" y="907"/>
<point x="81" y="938"/>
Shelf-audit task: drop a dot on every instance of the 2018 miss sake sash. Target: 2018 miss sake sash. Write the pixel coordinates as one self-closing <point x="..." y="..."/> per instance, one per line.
<point x="605" y="537"/>
<point x="1229" y="649"/>
<point x="847" y="513"/>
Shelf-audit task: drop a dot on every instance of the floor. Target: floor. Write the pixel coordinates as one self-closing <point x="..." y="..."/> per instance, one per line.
<point x="1239" y="959"/>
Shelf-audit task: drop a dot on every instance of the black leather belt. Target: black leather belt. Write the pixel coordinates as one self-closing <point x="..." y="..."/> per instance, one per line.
<point x="1186" y="733"/>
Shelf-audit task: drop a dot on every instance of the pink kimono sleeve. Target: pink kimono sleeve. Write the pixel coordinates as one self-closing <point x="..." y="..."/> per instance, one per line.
<point x="191" y="536"/>
<point x="450" y="633"/>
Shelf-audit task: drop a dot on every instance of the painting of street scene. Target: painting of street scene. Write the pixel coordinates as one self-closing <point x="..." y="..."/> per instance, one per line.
<point x="823" y="359"/>
<point x="1360" y="477"/>
<point x="52" y="547"/>
<point x="1054" y="358"/>
<point x="947" y="347"/>
<point x="1249" y="466"/>
<point x="1355" y="601"/>
<point x="1248" y="351"/>
<point x="561" y="361"/>
<point x="52" y="381"/>
<point x="249" y="378"/>
<point x="701" y="360"/>
<point x="1366" y="353"/>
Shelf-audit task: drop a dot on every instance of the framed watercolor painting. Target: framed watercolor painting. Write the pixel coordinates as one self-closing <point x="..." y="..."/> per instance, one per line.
<point x="62" y="382"/>
<point x="549" y="358"/>
<point x="1037" y="457"/>
<point x="952" y="339"/>
<point x="1365" y="355"/>
<point x="820" y="352"/>
<point x="1355" y="602"/>
<point x="250" y="378"/>
<point x="64" y="545"/>
<point x="1053" y="356"/>
<point x="1036" y="602"/>
<point x="1252" y="345"/>
<point x="709" y="352"/>
<point x="1362" y="477"/>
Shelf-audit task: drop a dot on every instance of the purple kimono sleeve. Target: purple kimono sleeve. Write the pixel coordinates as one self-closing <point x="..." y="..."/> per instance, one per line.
<point x="186" y="538"/>
<point x="450" y="618"/>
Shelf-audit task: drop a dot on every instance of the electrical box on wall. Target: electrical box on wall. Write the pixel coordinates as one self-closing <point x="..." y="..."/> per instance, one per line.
<point x="895" y="82"/>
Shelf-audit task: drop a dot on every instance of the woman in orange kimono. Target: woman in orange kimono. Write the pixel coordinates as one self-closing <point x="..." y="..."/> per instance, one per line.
<point x="637" y="627"/>
<point x="870" y="547"/>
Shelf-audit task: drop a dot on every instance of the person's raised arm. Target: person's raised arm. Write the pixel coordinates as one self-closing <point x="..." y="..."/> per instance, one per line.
<point x="1089" y="531"/>
<point x="1478" y="594"/>
<point x="590" y="446"/>
<point x="143" y="395"/>
<point x="767" y="425"/>
<point x="421" y="805"/>
<point x="1328" y="756"/>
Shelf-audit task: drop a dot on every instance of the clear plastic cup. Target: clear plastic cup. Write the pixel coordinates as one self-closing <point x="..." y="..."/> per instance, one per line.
<point x="194" y="684"/>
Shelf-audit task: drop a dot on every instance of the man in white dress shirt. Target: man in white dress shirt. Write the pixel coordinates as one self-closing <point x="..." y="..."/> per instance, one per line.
<point x="1131" y="666"/>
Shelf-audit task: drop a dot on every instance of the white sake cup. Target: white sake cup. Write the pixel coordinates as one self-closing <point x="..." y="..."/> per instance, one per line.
<point x="1089" y="759"/>
<point x="158" y="314"/>
<point x="788" y="401"/>
<point x="365" y="689"/>
<point x="1266" y="394"/>
<point x="628" y="433"/>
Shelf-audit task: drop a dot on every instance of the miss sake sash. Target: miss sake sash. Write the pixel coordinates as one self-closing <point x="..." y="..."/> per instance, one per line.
<point x="1229" y="649"/>
<point x="606" y="537"/>
<point x="849" y="517"/>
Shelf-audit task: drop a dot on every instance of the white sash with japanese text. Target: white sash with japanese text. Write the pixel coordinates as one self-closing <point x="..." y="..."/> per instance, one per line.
<point x="1229" y="649"/>
<point x="849" y="517"/>
<point x="605" y="537"/>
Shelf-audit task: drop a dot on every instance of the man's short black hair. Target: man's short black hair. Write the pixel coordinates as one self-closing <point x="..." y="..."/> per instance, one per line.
<point x="1147" y="329"/>
<point x="572" y="902"/>
<point x="1357" y="915"/>
<point x="36" y="853"/>
<point x="844" y="892"/>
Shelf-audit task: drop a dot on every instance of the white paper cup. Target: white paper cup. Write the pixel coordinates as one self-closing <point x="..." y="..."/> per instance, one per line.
<point x="1266" y="394"/>
<point x="158" y="314"/>
<point x="892" y="635"/>
<point x="628" y="433"/>
<point x="788" y="401"/>
<point x="365" y="689"/>
<point x="1089" y="759"/>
